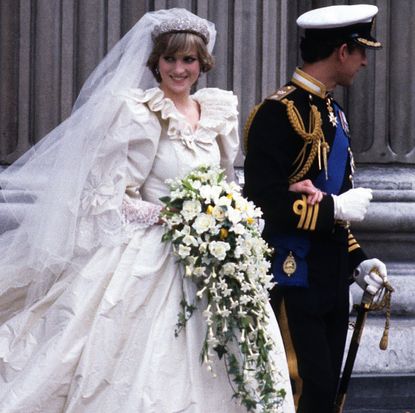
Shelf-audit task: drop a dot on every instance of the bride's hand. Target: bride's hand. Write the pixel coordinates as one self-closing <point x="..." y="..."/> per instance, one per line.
<point x="161" y="220"/>
<point x="314" y="195"/>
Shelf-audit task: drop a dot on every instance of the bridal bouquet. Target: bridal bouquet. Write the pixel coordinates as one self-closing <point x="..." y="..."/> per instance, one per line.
<point x="215" y="236"/>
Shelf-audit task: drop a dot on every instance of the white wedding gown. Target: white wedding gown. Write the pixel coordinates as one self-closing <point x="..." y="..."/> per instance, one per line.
<point x="102" y="339"/>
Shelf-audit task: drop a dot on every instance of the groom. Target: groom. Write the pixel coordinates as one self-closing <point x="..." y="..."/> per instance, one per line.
<point x="299" y="170"/>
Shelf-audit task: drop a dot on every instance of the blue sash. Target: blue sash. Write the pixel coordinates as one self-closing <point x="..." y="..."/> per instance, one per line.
<point x="290" y="246"/>
<point x="337" y="159"/>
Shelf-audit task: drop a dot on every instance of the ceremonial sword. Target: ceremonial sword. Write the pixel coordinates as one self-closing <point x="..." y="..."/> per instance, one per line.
<point x="362" y="309"/>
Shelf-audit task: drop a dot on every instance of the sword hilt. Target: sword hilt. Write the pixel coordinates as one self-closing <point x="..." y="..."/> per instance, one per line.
<point x="383" y="301"/>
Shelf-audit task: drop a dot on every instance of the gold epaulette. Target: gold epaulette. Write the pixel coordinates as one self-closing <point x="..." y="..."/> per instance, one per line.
<point x="247" y="126"/>
<point x="282" y="93"/>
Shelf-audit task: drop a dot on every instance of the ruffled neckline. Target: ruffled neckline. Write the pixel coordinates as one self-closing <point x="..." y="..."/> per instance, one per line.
<point x="217" y="108"/>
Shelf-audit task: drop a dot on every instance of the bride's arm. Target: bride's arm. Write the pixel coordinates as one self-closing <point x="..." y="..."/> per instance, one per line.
<point x="314" y="195"/>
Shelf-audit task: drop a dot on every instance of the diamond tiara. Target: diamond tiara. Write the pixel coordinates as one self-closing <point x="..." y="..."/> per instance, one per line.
<point x="182" y="24"/>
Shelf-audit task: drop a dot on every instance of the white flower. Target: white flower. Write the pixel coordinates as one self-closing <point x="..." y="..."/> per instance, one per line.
<point x="238" y="252"/>
<point x="188" y="270"/>
<point x="174" y="220"/>
<point x="229" y="268"/>
<point x="234" y="303"/>
<point x="199" y="271"/>
<point x="222" y="284"/>
<point x="204" y="222"/>
<point x="234" y="215"/>
<point x="225" y="312"/>
<point x="210" y="193"/>
<point x="177" y="194"/>
<point x="224" y="201"/>
<point x="241" y="203"/>
<point x="200" y="292"/>
<point x="183" y="251"/>
<point x="190" y="209"/>
<point x="227" y="292"/>
<point x="238" y="229"/>
<point x="218" y="213"/>
<point x="234" y="187"/>
<point x="246" y="287"/>
<point x="218" y="249"/>
<point x="245" y="299"/>
<point x="196" y="184"/>
<point x="190" y="240"/>
<point x="203" y="246"/>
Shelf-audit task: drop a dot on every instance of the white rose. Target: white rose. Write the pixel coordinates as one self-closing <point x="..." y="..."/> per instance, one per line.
<point x="218" y="249"/>
<point x="190" y="209"/>
<point x="203" y="223"/>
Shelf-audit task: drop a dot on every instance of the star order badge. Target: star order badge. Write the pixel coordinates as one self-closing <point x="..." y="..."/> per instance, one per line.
<point x="333" y="119"/>
<point x="332" y="115"/>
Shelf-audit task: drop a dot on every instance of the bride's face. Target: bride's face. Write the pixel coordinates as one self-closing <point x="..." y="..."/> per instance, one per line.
<point x="179" y="72"/>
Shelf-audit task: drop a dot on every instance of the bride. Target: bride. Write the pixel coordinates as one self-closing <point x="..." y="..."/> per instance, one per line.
<point x="89" y="296"/>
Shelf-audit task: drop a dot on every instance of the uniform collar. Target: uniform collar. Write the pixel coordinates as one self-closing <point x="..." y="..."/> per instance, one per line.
<point x="309" y="83"/>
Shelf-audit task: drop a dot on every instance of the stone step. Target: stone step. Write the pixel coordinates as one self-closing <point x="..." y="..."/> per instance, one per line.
<point x="381" y="394"/>
<point x="397" y="359"/>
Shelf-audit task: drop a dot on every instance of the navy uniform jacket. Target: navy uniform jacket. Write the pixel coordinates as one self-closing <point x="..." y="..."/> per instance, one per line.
<point x="276" y="155"/>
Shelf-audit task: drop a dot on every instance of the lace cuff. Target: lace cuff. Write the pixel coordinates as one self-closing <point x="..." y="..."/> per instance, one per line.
<point x="138" y="213"/>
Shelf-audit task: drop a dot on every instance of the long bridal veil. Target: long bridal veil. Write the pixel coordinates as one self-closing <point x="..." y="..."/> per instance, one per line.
<point x="41" y="192"/>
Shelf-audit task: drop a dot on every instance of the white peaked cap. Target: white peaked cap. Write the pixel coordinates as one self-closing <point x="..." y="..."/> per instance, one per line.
<point x="342" y="23"/>
<point x="337" y="16"/>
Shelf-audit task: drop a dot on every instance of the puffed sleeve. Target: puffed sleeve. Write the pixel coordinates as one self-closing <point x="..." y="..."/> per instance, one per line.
<point x="228" y="139"/>
<point x="126" y="155"/>
<point x="136" y="212"/>
<point x="221" y="118"/>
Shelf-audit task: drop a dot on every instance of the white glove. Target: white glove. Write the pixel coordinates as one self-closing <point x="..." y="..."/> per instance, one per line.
<point x="352" y="205"/>
<point x="369" y="280"/>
